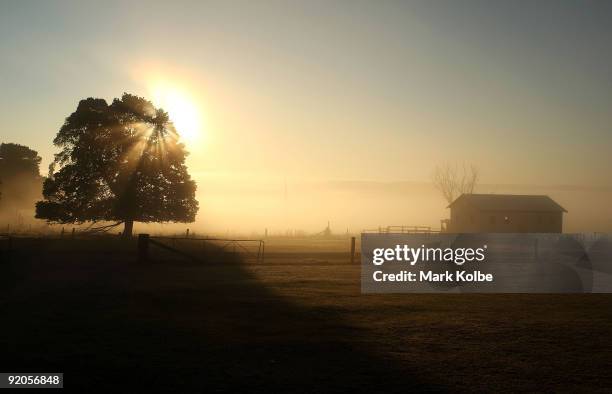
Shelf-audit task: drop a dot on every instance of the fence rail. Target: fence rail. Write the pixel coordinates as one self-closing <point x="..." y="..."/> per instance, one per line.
<point x="189" y="250"/>
<point x="403" y="230"/>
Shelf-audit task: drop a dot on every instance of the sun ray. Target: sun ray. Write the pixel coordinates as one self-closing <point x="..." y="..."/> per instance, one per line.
<point x="182" y="111"/>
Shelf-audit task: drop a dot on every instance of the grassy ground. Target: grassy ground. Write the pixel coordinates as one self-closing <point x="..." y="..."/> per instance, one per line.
<point x="297" y="322"/>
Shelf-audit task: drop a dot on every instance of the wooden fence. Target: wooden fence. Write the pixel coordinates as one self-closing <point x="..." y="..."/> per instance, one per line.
<point x="403" y="230"/>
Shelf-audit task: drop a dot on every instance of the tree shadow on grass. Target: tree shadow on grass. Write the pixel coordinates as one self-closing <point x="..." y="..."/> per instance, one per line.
<point x="110" y="323"/>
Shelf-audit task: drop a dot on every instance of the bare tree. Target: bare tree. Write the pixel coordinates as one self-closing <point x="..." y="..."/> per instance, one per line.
<point x="453" y="180"/>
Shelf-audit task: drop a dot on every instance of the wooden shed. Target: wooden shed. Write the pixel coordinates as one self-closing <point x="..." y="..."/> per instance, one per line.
<point x="505" y="213"/>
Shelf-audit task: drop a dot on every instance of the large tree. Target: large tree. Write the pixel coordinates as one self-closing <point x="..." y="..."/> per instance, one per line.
<point x="20" y="180"/>
<point x="118" y="163"/>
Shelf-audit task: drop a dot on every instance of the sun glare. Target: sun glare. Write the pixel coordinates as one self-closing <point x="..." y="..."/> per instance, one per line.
<point x="182" y="110"/>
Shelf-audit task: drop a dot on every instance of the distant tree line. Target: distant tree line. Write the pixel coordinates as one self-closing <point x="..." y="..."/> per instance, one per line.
<point x="20" y="180"/>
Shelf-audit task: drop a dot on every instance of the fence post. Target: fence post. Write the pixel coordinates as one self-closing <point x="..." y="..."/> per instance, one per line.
<point x="352" y="250"/>
<point x="143" y="247"/>
<point x="9" y="250"/>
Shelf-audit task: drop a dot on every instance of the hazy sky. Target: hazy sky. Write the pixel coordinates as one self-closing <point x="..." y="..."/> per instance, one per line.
<point x="332" y="90"/>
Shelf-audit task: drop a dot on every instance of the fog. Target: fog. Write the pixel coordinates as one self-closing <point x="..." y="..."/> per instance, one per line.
<point x="244" y="206"/>
<point x="232" y="206"/>
<point x="18" y="194"/>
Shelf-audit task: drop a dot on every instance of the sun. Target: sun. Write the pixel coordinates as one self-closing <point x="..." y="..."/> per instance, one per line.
<point x="182" y="111"/>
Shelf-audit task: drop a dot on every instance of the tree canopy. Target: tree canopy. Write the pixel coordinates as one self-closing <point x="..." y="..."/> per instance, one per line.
<point x="121" y="162"/>
<point x="20" y="181"/>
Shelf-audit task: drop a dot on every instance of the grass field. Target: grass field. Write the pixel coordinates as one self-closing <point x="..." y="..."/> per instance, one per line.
<point x="297" y="322"/>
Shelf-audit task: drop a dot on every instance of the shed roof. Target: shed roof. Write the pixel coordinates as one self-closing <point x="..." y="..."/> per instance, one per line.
<point x="509" y="202"/>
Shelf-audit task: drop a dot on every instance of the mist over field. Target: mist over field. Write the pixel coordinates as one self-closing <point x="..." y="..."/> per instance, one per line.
<point x="245" y="206"/>
<point x="250" y="206"/>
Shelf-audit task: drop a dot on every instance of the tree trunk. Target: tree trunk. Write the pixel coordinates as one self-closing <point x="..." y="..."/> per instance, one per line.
<point x="127" y="228"/>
